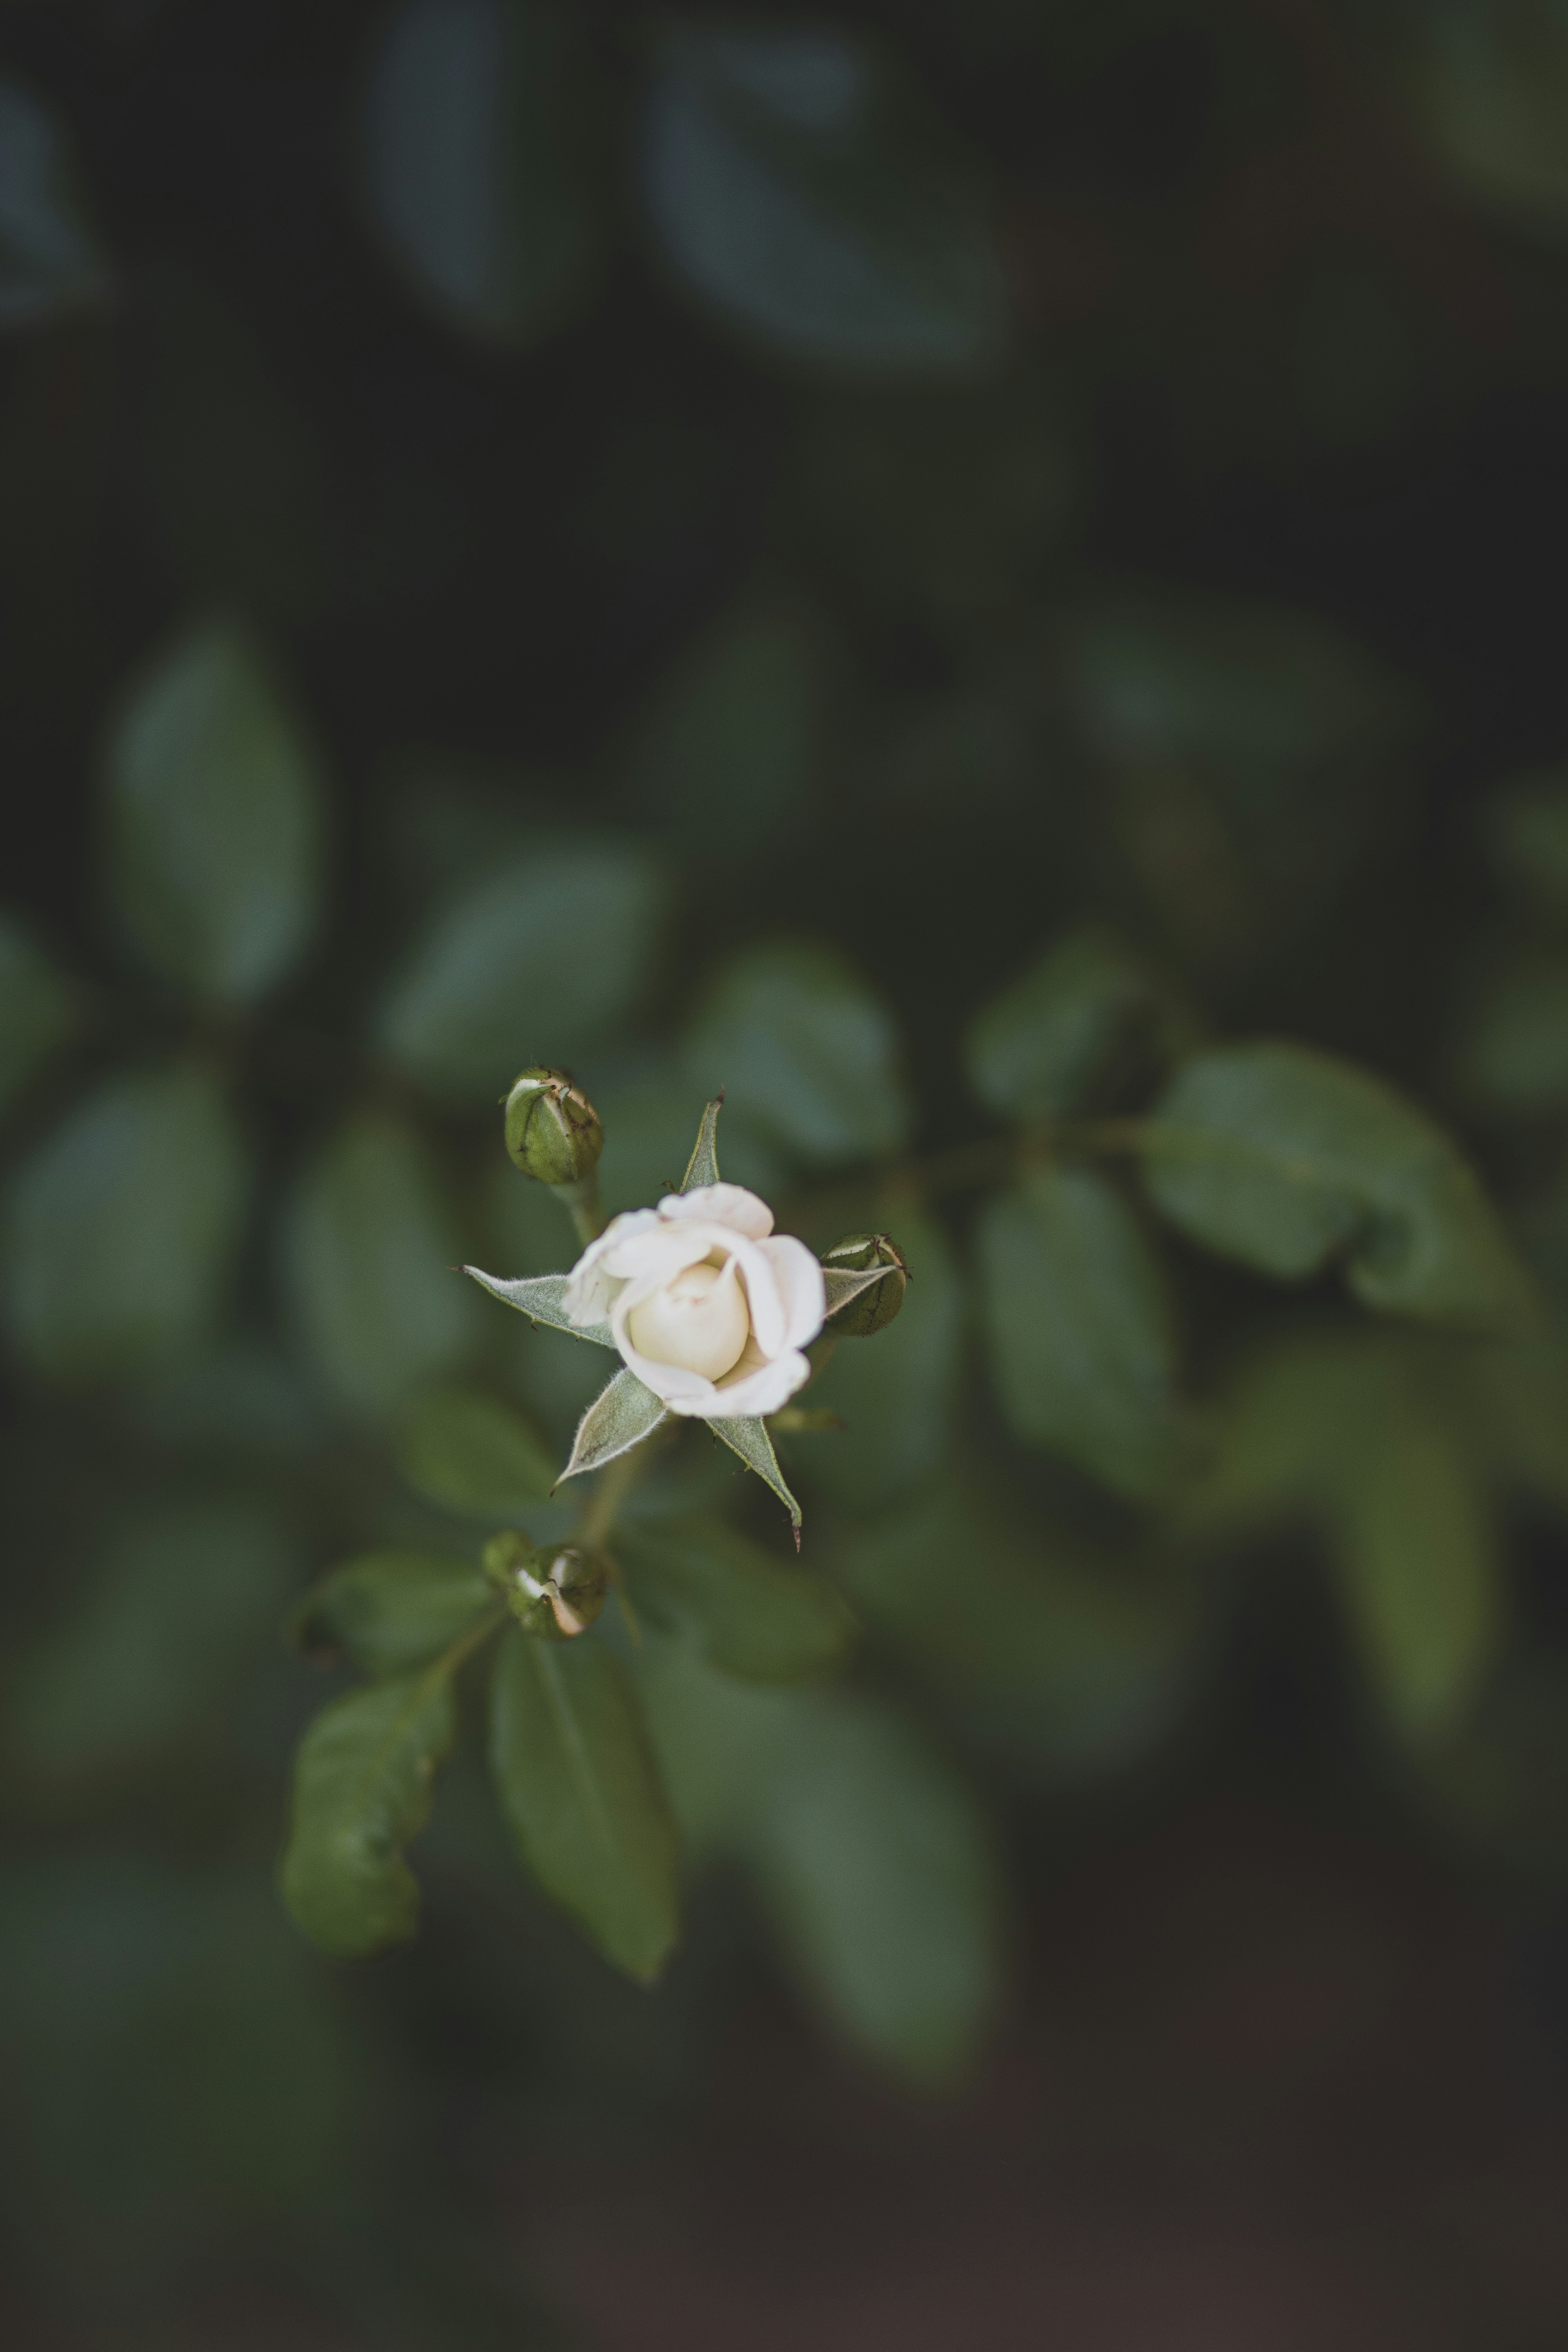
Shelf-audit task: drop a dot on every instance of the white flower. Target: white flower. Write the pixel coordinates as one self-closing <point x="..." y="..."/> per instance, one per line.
<point x="708" y="1306"/>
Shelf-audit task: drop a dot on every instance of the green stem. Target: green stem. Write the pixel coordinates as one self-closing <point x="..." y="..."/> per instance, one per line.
<point x="441" y="1669"/>
<point x="582" y="1205"/>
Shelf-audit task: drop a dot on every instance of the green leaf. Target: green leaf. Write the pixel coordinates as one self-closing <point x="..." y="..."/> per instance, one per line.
<point x="176" y="1605"/>
<point x="808" y="196"/>
<point x="539" y="1297"/>
<point x="546" y="958"/>
<point x="620" y="1417"/>
<point x="1066" y="1664"/>
<point x="741" y="1612"/>
<point x="895" y="1392"/>
<point x="748" y="1436"/>
<point x="805" y="1051"/>
<point x="49" y="261"/>
<point x="874" y="1863"/>
<point x="214" y="820"/>
<point x="1526" y="827"/>
<point x="369" y="1257"/>
<point x="362" y="1786"/>
<point x="1082" y="1345"/>
<point x="702" y="1168"/>
<point x="38" y="1009"/>
<point x="1513" y="1054"/>
<point x="1085" y="1021"/>
<point x="1490" y="83"/>
<point x="581" y="1790"/>
<point x="728" y="754"/>
<point x="474" y="1454"/>
<point x="390" y="1611"/>
<point x="480" y="162"/>
<point x="1285" y="1159"/>
<point x="121" y="1226"/>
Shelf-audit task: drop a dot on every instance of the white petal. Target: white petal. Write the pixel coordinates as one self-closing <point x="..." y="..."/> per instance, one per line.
<point x="761" y="1391"/>
<point x="591" y="1285"/>
<point x="770" y="1320"/>
<point x="722" y="1204"/>
<point x="801" y="1287"/>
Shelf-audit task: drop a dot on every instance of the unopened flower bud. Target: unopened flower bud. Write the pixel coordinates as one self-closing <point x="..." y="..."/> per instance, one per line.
<point x="553" y="1131"/>
<point x="556" y="1590"/>
<point x="873" y="1308"/>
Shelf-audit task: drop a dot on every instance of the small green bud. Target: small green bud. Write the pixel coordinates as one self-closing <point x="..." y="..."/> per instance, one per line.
<point x="555" y="1591"/>
<point x="553" y="1131"/>
<point x="873" y="1308"/>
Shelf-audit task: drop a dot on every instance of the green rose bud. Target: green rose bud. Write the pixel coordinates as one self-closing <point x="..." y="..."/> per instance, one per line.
<point x="556" y="1590"/>
<point x="553" y="1131"/>
<point x="873" y="1305"/>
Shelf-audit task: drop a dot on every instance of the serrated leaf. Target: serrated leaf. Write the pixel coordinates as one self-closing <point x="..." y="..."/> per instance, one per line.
<point x="479" y="153"/>
<point x="214" y="820"/>
<point x="748" y="1438"/>
<point x="121" y="1226"/>
<point x="805" y="1050"/>
<point x="562" y="942"/>
<point x="391" y="1612"/>
<point x="741" y="1611"/>
<point x="1082" y="1342"/>
<point x="362" y="1789"/>
<point x="539" y="1297"/>
<point x="1085" y="1019"/>
<point x="369" y="1252"/>
<point x="807" y="196"/>
<point x="1285" y="1159"/>
<point x="702" y="1168"/>
<point x="580" y="1788"/>
<point x="49" y="261"/>
<point x="620" y="1417"/>
<point x="176" y="1605"/>
<point x="475" y="1454"/>
<point x="38" y="1009"/>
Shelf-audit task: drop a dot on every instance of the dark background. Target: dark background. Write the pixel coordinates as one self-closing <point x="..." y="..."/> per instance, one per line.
<point x="1284" y="2062"/>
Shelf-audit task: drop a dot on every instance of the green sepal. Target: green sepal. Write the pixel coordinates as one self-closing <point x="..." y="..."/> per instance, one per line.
<point x="539" y="1297"/>
<point x="702" y="1168"/>
<point x="620" y="1417"/>
<point x="748" y="1438"/>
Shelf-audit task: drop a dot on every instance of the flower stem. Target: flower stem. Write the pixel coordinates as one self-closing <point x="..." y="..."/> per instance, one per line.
<point x="582" y="1205"/>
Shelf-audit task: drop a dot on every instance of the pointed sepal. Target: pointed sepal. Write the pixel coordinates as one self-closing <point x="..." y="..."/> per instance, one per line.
<point x="703" y="1166"/>
<point x="620" y="1417"/>
<point x="539" y="1297"/>
<point x="749" y="1438"/>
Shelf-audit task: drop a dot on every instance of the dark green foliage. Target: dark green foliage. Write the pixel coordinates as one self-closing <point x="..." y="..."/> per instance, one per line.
<point x="739" y="1608"/>
<point x="391" y="1612"/>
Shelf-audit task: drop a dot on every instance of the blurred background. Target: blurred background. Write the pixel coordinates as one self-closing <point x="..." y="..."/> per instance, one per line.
<point x="714" y="541"/>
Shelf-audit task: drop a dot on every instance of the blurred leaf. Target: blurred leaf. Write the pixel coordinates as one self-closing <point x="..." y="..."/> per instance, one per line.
<point x="1082" y="1345"/>
<point x="1513" y="1052"/>
<point x="747" y="1435"/>
<point x="1088" y="1017"/>
<point x="1070" y="1665"/>
<point x="50" y="260"/>
<point x="545" y="959"/>
<point x="620" y="1417"/>
<point x="362" y="1786"/>
<point x="391" y="1612"/>
<point x="648" y="1114"/>
<point x="38" y="1009"/>
<point x="727" y="756"/>
<point x="480" y="162"/>
<point x="1381" y="1442"/>
<point x="1490" y="81"/>
<point x="1284" y="1159"/>
<point x="241" y="1400"/>
<point x="808" y="196"/>
<point x="475" y="1455"/>
<point x="582" y="1794"/>
<point x="214" y="820"/>
<point x="121" y="1226"/>
<point x="805" y="1051"/>
<point x="1526" y="826"/>
<point x="176" y="1605"/>
<point x="704" y="1583"/>
<point x="237" y="481"/>
<point x="895" y="1392"/>
<point x="368" y="1255"/>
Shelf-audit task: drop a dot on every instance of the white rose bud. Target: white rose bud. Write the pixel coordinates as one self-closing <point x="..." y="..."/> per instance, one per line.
<point x="708" y="1306"/>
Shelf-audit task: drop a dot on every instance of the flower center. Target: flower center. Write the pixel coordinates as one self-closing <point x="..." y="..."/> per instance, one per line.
<point x="700" y="1321"/>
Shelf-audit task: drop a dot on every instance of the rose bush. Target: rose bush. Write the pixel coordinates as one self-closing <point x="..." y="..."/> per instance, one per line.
<point x="707" y="1305"/>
